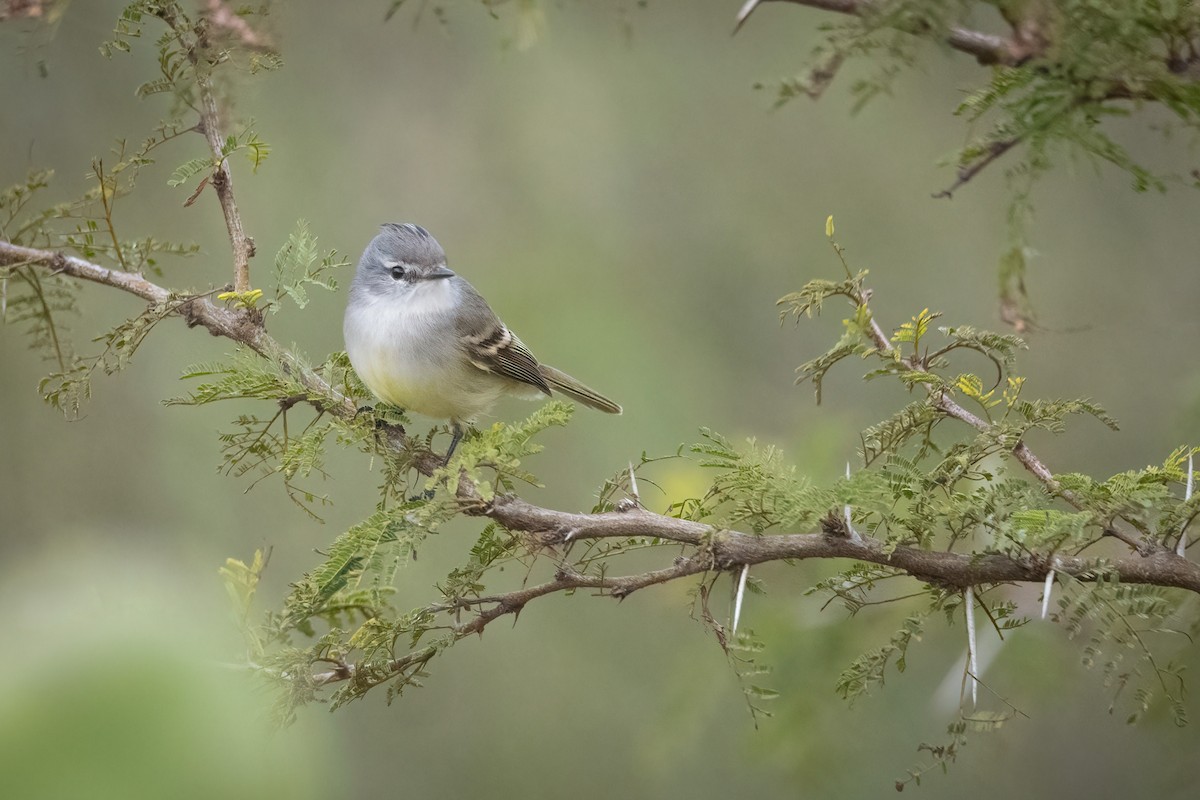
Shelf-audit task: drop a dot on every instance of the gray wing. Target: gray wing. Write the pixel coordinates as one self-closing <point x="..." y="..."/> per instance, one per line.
<point x="491" y="346"/>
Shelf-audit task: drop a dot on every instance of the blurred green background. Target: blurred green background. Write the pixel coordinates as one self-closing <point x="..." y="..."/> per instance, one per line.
<point x="633" y="208"/>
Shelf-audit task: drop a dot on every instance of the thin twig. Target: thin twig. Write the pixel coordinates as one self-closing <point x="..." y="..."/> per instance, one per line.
<point x="1027" y="458"/>
<point x="222" y="176"/>
<point x="108" y="202"/>
<point x="985" y="47"/>
<point x="966" y="173"/>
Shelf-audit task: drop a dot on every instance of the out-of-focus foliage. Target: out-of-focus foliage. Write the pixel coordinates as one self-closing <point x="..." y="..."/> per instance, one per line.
<point x="1058" y="73"/>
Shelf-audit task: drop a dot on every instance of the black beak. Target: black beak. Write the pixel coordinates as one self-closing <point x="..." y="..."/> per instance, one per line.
<point x="439" y="272"/>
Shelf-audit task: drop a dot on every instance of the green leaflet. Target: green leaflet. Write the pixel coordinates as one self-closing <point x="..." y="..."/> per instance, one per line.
<point x="300" y="265"/>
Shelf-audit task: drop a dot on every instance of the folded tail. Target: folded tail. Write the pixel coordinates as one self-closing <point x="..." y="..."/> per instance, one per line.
<point x="562" y="382"/>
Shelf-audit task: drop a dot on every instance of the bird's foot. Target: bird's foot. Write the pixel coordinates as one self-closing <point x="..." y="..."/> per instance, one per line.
<point x="457" y="435"/>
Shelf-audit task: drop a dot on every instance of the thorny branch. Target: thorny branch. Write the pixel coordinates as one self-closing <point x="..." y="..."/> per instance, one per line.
<point x="715" y="549"/>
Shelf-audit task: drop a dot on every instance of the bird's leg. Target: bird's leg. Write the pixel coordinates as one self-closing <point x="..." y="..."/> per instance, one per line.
<point x="457" y="432"/>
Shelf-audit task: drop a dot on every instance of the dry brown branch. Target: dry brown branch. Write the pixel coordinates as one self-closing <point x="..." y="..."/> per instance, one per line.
<point x="730" y="549"/>
<point x="726" y="550"/>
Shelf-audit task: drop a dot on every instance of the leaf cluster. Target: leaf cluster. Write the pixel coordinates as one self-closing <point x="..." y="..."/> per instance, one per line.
<point x="300" y="265"/>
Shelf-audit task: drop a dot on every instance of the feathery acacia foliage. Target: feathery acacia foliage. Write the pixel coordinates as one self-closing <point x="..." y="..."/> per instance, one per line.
<point x="944" y="477"/>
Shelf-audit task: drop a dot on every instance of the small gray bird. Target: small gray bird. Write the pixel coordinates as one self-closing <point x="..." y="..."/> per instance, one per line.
<point x="423" y="339"/>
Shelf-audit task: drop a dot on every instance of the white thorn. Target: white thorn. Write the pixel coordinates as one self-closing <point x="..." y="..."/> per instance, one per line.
<point x="741" y="593"/>
<point x="633" y="484"/>
<point x="854" y="537"/>
<point x="744" y="13"/>
<point x="972" y="650"/>
<point x="1181" y="545"/>
<point x="1046" y="592"/>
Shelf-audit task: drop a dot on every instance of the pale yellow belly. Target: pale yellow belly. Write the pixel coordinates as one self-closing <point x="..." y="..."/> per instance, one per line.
<point x="458" y="393"/>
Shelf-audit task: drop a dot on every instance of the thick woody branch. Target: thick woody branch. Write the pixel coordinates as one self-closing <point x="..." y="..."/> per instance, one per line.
<point x="727" y="550"/>
<point x="225" y="19"/>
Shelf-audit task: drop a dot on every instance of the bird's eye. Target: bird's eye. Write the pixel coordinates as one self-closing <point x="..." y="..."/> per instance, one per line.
<point x="398" y="273"/>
